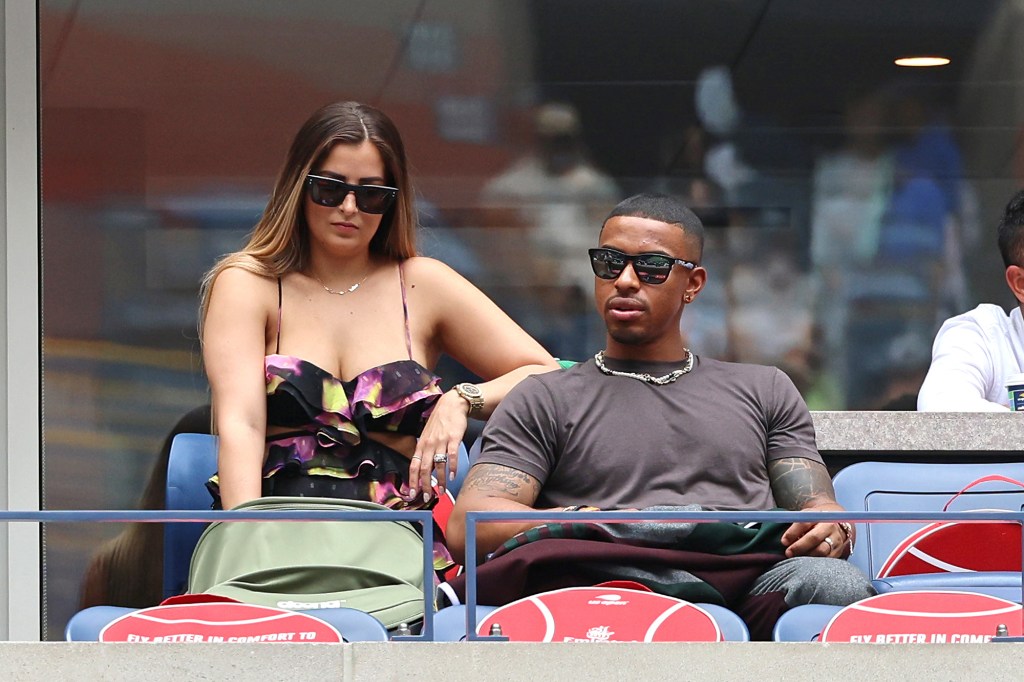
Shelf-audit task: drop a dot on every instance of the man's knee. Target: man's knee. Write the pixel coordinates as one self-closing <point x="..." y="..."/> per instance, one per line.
<point x="816" y="580"/>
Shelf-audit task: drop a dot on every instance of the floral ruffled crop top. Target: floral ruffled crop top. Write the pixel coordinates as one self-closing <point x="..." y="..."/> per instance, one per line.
<point x="332" y="417"/>
<point x="328" y="421"/>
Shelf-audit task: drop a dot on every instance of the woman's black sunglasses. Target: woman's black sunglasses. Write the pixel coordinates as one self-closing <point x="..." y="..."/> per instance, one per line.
<point x="332" y="192"/>
<point x="650" y="268"/>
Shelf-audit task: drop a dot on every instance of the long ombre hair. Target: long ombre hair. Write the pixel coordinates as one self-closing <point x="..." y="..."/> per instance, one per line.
<point x="279" y="243"/>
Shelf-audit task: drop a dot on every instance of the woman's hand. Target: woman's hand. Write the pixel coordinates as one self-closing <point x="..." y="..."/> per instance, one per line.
<point x="442" y="435"/>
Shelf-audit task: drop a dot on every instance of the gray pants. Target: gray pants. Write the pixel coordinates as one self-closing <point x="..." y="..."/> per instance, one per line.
<point x="815" y="580"/>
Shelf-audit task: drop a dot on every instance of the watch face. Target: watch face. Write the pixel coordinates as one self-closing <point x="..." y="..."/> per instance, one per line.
<point x="470" y="390"/>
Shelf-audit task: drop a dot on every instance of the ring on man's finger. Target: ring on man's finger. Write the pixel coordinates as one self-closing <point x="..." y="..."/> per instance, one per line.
<point x="441" y="458"/>
<point x="831" y="545"/>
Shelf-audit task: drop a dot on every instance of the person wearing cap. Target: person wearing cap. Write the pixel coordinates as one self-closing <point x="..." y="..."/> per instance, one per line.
<point x="555" y="194"/>
<point x="648" y="424"/>
<point x="975" y="353"/>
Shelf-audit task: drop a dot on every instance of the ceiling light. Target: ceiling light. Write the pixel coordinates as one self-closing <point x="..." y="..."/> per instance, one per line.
<point x="922" y="61"/>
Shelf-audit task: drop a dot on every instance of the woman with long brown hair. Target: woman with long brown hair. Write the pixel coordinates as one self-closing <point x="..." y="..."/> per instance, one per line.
<point x="321" y="334"/>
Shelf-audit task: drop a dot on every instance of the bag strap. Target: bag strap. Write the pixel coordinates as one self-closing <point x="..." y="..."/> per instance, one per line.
<point x="983" y="479"/>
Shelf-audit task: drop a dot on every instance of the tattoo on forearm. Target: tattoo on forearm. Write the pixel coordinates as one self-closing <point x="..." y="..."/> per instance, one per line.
<point x="798" y="483"/>
<point x="495" y="480"/>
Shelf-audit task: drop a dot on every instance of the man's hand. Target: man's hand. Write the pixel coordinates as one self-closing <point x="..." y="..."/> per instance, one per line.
<point x="803" y="484"/>
<point x="825" y="539"/>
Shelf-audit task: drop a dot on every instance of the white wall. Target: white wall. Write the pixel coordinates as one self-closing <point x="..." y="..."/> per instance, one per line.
<point x="19" y="312"/>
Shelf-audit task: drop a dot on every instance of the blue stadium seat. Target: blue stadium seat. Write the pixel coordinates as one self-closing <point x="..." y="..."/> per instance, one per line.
<point x="192" y="460"/>
<point x="450" y="622"/>
<point x="474" y="450"/>
<point x="353" y="624"/>
<point x="1002" y="584"/>
<point x="464" y="464"/>
<point x="803" y="623"/>
<point x="900" y="486"/>
<point x="732" y="626"/>
<point x="85" y="626"/>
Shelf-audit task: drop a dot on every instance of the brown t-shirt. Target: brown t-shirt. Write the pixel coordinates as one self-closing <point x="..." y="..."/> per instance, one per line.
<point x="617" y="442"/>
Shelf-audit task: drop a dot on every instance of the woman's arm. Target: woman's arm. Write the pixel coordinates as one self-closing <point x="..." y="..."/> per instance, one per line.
<point x="234" y="346"/>
<point x="468" y="326"/>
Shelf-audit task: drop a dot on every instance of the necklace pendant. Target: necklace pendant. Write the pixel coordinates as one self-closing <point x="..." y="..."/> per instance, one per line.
<point x="341" y="292"/>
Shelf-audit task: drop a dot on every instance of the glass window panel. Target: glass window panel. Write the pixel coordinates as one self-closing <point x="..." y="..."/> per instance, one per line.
<point x="850" y="205"/>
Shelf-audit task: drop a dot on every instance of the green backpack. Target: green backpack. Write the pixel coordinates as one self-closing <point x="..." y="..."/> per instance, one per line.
<point x="373" y="566"/>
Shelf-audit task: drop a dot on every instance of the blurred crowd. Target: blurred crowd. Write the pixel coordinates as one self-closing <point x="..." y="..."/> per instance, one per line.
<point x="835" y="260"/>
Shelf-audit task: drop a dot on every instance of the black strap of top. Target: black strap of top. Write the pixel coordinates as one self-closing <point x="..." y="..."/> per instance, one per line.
<point x="405" y="312"/>
<point x="278" y="349"/>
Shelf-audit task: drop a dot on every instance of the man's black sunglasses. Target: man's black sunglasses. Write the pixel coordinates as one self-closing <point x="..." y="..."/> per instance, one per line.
<point x="650" y="268"/>
<point x="332" y="192"/>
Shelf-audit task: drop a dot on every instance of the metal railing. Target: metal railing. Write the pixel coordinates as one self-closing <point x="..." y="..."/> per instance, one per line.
<point x="473" y="518"/>
<point x="424" y="518"/>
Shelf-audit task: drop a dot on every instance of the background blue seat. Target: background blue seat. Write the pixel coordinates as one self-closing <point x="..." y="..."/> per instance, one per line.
<point x="803" y="623"/>
<point x="354" y="625"/>
<point x="450" y="622"/>
<point x="732" y="626"/>
<point x="192" y="460"/>
<point x="85" y="625"/>
<point x="900" y="486"/>
<point x="465" y="462"/>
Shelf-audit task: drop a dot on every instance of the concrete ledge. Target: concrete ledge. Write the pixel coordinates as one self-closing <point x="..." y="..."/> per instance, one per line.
<point x="934" y="432"/>
<point x="456" y="661"/>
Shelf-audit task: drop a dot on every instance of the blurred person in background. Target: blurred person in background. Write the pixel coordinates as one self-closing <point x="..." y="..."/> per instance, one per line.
<point x="128" y="569"/>
<point x="851" y="187"/>
<point x="975" y="352"/>
<point x="556" y="194"/>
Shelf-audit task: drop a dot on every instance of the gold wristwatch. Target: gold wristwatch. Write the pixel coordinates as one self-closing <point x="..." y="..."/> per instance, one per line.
<point x="472" y="394"/>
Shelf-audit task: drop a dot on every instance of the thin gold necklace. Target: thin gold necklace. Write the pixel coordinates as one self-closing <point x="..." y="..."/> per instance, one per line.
<point x="341" y="292"/>
<point x="644" y="376"/>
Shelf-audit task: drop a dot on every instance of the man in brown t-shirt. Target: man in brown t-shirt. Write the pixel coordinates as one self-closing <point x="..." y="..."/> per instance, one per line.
<point x="648" y="423"/>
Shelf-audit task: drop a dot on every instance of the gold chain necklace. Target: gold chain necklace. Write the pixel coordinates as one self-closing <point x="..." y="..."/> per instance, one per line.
<point x="644" y="376"/>
<point x="341" y="292"/>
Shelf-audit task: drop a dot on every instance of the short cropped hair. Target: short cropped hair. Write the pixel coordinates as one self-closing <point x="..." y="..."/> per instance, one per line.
<point x="662" y="208"/>
<point x="1011" y="232"/>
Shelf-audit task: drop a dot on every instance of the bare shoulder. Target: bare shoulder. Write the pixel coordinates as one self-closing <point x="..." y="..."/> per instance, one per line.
<point x="439" y="285"/>
<point x="429" y="271"/>
<point x="237" y="276"/>
<point x="237" y="287"/>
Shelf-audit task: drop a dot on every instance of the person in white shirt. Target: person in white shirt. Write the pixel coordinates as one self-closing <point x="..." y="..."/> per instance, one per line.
<point x="975" y="352"/>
